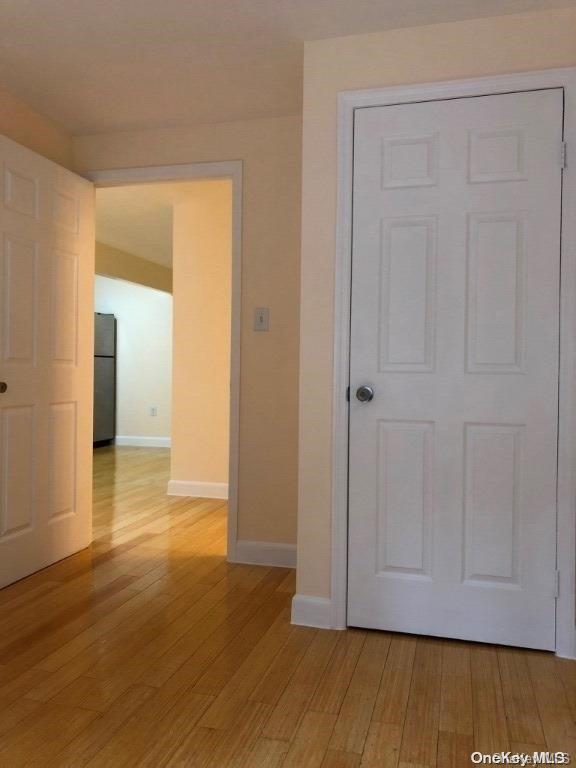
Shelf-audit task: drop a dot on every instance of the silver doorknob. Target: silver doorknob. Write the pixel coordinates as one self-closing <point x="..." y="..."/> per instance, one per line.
<point x="364" y="394"/>
<point x="3" y="387"/>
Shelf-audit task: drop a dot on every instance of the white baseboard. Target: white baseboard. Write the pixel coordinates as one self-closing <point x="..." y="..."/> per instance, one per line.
<point x="141" y="441"/>
<point x="198" y="489"/>
<point x="264" y="553"/>
<point x="310" y="611"/>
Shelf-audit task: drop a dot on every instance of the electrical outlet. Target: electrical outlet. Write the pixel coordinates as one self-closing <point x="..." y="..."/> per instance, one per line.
<point x="153" y="410"/>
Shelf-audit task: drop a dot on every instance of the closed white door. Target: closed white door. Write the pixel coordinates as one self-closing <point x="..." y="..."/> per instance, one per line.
<point x="455" y="317"/>
<point x="46" y="347"/>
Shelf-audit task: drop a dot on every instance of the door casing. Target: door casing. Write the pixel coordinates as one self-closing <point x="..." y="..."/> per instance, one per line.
<point x="349" y="101"/>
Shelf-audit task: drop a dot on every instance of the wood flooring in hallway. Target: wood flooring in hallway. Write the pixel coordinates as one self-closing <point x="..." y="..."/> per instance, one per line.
<point x="151" y="650"/>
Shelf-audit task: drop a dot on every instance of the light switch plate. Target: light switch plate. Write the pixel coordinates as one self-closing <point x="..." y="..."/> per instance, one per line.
<point x="261" y="319"/>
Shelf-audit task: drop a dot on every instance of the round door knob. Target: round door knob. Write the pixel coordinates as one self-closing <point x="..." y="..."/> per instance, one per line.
<point x="3" y="387"/>
<point x="364" y="394"/>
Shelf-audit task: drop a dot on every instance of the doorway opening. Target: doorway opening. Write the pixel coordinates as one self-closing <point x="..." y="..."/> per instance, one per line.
<point x="167" y="269"/>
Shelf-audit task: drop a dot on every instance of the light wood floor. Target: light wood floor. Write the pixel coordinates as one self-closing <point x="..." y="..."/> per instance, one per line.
<point x="150" y="650"/>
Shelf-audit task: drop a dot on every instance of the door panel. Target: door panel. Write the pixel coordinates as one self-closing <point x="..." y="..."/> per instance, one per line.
<point x="492" y="465"/>
<point x="18" y="476"/>
<point x="46" y="342"/>
<point x="456" y="255"/>
<point x="405" y="496"/>
<point x="19" y="300"/>
<point x="64" y="315"/>
<point x="407" y="291"/>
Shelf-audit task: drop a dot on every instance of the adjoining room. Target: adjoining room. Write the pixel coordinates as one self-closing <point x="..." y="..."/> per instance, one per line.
<point x="162" y="361"/>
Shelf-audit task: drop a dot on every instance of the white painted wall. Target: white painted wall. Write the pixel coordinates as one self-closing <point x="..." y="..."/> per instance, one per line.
<point x="144" y="364"/>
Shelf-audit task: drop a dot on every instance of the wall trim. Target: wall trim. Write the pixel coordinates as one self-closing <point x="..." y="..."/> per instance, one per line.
<point x="233" y="170"/>
<point x="266" y="553"/>
<point x="142" y="441"/>
<point x="312" y="611"/>
<point x="197" y="489"/>
<point x="348" y="102"/>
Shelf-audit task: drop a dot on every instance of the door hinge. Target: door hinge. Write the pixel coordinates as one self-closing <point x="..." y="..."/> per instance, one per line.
<point x="564" y="155"/>
<point x="348" y="394"/>
<point x="557" y="584"/>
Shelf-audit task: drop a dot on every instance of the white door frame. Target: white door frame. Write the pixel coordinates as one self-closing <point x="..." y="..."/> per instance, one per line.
<point x="189" y="172"/>
<point x="566" y="530"/>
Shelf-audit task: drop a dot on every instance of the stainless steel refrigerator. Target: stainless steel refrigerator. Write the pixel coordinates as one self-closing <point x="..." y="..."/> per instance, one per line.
<point x="104" y="378"/>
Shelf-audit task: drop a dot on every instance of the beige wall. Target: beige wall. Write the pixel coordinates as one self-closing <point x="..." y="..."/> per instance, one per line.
<point x="440" y="52"/>
<point x="202" y="265"/>
<point x="112" y="262"/>
<point x="271" y="151"/>
<point x="144" y="361"/>
<point x="21" y="123"/>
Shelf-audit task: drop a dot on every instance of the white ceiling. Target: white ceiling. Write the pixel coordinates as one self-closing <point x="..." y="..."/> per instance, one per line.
<point x="138" y="219"/>
<point x="112" y="65"/>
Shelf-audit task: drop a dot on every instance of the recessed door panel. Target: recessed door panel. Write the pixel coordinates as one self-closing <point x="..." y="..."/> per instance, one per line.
<point x="17" y="473"/>
<point x="19" y="300"/>
<point x="405" y="497"/>
<point x="407" y="294"/>
<point x="65" y="211"/>
<point x="495" y="292"/>
<point x="493" y="499"/>
<point x="62" y="471"/>
<point x="64" y="330"/>
<point x="21" y="192"/>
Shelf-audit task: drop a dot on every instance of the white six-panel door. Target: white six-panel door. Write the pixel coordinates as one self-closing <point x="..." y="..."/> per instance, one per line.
<point x="46" y="347"/>
<point x="455" y="318"/>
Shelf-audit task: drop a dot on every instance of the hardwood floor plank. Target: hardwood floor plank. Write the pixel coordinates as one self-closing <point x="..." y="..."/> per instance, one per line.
<point x="201" y="646"/>
<point x="266" y="753"/>
<point x="456" y="723"/>
<point x="175" y="727"/>
<point x="310" y="743"/>
<point x="300" y="689"/>
<point x="555" y="713"/>
<point x="242" y="683"/>
<point x="358" y="705"/>
<point x="98" y="733"/>
<point x="454" y="749"/>
<point x="489" y="713"/>
<point x="566" y="671"/>
<point x="394" y="689"/>
<point x="524" y="724"/>
<point x="382" y="749"/>
<point x="337" y="759"/>
<point x="14" y="712"/>
<point x="275" y="680"/>
<point x="145" y="727"/>
<point x="420" y="735"/>
<point x="228" y="749"/>
<point x="456" y="708"/>
<point x="46" y="731"/>
<point x="336" y="679"/>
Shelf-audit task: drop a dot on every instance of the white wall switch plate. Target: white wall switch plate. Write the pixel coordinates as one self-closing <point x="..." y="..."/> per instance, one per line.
<point x="262" y="319"/>
<point x="153" y="410"/>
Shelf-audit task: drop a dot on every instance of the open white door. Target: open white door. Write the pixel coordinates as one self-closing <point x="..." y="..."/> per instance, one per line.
<point x="46" y="348"/>
<point x="455" y="318"/>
